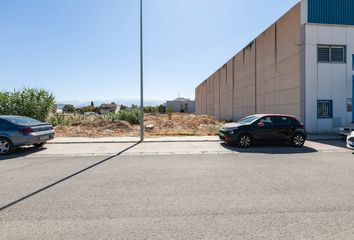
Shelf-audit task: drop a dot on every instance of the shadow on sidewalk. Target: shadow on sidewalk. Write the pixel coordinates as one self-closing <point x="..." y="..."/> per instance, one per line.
<point x="334" y="143"/>
<point x="66" y="178"/>
<point x="22" y="152"/>
<point x="270" y="148"/>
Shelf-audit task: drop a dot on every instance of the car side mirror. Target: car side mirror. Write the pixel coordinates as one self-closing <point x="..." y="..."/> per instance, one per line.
<point x="260" y="124"/>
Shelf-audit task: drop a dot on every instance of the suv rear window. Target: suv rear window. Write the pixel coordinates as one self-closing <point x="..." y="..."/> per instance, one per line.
<point x="283" y="121"/>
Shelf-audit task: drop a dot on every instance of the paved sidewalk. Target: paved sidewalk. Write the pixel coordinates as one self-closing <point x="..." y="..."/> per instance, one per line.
<point x="176" y="148"/>
<point x="70" y="140"/>
<point x="62" y="140"/>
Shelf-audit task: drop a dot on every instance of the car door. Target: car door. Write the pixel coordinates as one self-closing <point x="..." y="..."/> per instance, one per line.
<point x="283" y="127"/>
<point x="263" y="129"/>
<point x="6" y="128"/>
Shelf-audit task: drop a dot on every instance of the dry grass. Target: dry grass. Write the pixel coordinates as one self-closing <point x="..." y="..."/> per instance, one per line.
<point x="179" y="125"/>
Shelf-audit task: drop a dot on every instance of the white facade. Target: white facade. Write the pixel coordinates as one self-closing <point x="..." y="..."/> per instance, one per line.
<point x="181" y="105"/>
<point x="332" y="81"/>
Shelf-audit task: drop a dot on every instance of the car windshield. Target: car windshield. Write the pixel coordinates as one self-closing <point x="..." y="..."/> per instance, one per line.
<point x="248" y="120"/>
<point x="24" y="121"/>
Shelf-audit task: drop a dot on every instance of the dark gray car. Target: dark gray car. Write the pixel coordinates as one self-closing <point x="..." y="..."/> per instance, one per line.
<point x="16" y="131"/>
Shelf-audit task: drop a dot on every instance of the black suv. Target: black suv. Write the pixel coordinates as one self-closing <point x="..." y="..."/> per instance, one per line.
<point x="264" y="127"/>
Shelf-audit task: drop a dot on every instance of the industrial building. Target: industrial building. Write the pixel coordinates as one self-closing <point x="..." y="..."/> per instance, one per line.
<point x="301" y="65"/>
<point x="179" y="104"/>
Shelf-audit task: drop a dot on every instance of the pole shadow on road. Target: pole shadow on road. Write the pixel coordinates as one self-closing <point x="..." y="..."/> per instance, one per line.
<point x="270" y="148"/>
<point x="66" y="178"/>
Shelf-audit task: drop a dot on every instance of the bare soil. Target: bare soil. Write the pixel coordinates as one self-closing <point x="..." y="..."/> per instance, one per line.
<point x="180" y="125"/>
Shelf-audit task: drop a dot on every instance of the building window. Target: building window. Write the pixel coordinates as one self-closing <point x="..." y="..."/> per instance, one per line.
<point x="331" y="54"/>
<point x="323" y="53"/>
<point x="324" y="109"/>
<point x="349" y="104"/>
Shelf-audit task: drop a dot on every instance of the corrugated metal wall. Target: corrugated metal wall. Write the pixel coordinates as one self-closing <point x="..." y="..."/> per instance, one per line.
<point x="331" y="11"/>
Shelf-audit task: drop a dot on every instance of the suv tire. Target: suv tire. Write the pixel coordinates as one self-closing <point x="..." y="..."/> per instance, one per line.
<point x="298" y="140"/>
<point x="244" y="141"/>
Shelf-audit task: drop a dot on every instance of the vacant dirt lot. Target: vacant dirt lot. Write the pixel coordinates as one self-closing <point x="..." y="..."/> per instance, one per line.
<point x="160" y="125"/>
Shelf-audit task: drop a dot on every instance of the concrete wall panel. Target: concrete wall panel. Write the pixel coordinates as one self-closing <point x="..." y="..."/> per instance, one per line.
<point x="216" y="100"/>
<point x="264" y="77"/>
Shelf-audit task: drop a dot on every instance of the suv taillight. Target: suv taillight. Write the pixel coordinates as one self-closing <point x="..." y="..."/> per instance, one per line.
<point x="302" y="125"/>
<point x="26" y="131"/>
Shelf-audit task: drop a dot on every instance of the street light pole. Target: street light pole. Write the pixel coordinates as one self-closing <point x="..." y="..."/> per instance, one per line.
<point x="141" y="75"/>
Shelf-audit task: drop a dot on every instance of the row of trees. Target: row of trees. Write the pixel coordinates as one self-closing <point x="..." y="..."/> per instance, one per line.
<point x="148" y="109"/>
<point x="30" y="102"/>
<point x="39" y="104"/>
<point x="71" y="109"/>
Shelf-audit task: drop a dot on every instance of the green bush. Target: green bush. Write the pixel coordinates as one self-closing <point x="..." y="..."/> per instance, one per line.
<point x="162" y="109"/>
<point x="150" y="109"/>
<point x="169" y="110"/>
<point x="87" y="109"/>
<point x="130" y="115"/>
<point x="69" y="108"/>
<point x="64" y="120"/>
<point x="30" y="102"/>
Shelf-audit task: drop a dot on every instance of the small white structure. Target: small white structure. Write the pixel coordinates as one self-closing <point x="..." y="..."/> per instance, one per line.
<point x="58" y="108"/>
<point x="183" y="105"/>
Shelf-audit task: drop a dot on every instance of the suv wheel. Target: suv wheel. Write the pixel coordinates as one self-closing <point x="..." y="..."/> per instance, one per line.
<point x="6" y="146"/>
<point x="298" y="140"/>
<point x="244" y="141"/>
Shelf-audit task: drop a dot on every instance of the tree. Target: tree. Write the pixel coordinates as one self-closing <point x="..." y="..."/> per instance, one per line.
<point x="123" y="107"/>
<point x="29" y="102"/>
<point x="92" y="105"/>
<point x="69" y="108"/>
<point x="134" y="106"/>
<point x="87" y="109"/>
<point x="162" y="109"/>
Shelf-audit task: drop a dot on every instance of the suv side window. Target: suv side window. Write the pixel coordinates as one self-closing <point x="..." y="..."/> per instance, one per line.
<point x="267" y="121"/>
<point x="283" y="121"/>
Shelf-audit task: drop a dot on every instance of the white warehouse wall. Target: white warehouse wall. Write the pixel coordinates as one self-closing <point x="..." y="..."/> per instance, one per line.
<point x="327" y="80"/>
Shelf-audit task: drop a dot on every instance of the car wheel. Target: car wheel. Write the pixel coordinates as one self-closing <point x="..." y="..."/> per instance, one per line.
<point x="244" y="141"/>
<point x="298" y="140"/>
<point x="6" y="146"/>
<point x="38" y="145"/>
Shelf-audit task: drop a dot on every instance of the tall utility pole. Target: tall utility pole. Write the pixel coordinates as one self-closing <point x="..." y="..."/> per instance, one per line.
<point x="141" y="75"/>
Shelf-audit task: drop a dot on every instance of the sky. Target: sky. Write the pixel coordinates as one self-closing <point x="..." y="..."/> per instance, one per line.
<point x="87" y="50"/>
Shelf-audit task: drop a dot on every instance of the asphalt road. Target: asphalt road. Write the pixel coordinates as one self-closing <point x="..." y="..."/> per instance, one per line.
<point x="263" y="193"/>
